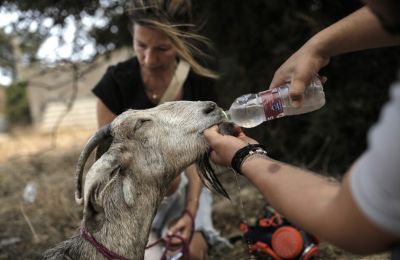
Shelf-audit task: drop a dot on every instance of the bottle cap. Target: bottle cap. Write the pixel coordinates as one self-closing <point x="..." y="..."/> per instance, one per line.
<point x="287" y="242"/>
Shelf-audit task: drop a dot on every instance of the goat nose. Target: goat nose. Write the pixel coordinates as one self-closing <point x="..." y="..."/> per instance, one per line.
<point x="210" y="107"/>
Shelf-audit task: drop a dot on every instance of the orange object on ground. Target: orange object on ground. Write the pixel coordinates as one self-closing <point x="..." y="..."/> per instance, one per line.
<point x="287" y="242"/>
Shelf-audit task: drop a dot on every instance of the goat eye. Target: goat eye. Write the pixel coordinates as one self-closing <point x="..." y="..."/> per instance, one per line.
<point x="141" y="122"/>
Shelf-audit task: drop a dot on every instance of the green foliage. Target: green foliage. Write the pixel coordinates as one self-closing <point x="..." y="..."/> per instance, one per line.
<point x="112" y="35"/>
<point x="253" y="38"/>
<point x="28" y="44"/>
<point x="17" y="106"/>
<point x="5" y="51"/>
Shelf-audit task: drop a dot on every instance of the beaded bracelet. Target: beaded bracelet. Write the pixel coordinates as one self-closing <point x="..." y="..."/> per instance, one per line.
<point x="244" y="153"/>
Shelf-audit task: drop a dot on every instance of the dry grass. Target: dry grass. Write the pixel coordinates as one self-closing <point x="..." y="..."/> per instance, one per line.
<point x="27" y="229"/>
<point x="28" y="156"/>
<point x="24" y="142"/>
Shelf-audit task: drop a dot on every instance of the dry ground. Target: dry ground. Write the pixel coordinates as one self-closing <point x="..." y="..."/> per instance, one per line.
<point x="27" y="229"/>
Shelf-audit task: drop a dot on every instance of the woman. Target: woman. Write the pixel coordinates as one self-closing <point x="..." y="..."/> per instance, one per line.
<point x="164" y="69"/>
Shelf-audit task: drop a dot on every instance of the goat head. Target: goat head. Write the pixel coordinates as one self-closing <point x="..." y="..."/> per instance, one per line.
<point x="158" y="143"/>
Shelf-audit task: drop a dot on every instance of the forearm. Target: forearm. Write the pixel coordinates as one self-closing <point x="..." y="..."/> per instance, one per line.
<point x="194" y="189"/>
<point x="358" y="31"/>
<point x="283" y="186"/>
<point x="104" y="115"/>
<point x="322" y="207"/>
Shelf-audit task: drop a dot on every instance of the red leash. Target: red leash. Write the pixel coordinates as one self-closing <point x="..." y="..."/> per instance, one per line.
<point x="168" y="239"/>
<point x="113" y="256"/>
<point x="99" y="247"/>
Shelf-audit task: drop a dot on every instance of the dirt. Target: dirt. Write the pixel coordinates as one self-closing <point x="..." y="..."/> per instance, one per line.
<point x="27" y="229"/>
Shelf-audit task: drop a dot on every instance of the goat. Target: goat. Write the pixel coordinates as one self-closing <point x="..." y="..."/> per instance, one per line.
<point x="125" y="186"/>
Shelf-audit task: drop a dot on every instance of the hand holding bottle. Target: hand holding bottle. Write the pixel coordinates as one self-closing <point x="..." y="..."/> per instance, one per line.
<point x="295" y="89"/>
<point x="299" y="70"/>
<point x="251" y="110"/>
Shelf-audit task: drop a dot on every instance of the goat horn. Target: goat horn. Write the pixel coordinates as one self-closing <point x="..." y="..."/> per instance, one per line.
<point x="97" y="138"/>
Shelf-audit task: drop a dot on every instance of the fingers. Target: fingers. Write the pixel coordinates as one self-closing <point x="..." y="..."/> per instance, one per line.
<point x="224" y="147"/>
<point x="173" y="230"/>
<point x="211" y="133"/>
<point x="180" y="225"/>
<point x="296" y="91"/>
<point x="238" y="130"/>
<point x="247" y="139"/>
<point x="182" y="229"/>
<point x="278" y="80"/>
<point x="298" y="71"/>
<point x="297" y="83"/>
<point x="177" y="225"/>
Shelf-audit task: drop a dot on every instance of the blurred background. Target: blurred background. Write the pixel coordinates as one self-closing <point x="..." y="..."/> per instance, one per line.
<point x="53" y="52"/>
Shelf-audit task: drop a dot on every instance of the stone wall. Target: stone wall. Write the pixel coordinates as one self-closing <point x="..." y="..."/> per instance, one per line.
<point x="51" y="89"/>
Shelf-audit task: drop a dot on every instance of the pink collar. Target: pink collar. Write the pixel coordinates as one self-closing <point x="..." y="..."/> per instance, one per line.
<point x="99" y="247"/>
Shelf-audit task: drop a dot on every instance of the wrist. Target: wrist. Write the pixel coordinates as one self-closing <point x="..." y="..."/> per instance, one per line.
<point x="318" y="48"/>
<point x="192" y="205"/>
<point x="255" y="163"/>
<point x="246" y="153"/>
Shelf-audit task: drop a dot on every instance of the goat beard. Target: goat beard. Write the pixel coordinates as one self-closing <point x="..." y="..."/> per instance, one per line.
<point x="206" y="169"/>
<point x="208" y="176"/>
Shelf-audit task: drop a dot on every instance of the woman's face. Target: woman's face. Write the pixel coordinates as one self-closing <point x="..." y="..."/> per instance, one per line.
<point x="154" y="49"/>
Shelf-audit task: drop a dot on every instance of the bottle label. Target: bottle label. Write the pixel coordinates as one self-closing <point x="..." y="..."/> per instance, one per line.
<point x="272" y="103"/>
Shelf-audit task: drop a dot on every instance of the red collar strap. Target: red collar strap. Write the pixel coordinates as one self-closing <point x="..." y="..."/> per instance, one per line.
<point x="99" y="247"/>
<point x="113" y="256"/>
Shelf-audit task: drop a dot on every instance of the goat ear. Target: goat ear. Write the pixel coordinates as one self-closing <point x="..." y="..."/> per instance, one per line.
<point x="93" y="215"/>
<point x="128" y="191"/>
<point x="94" y="200"/>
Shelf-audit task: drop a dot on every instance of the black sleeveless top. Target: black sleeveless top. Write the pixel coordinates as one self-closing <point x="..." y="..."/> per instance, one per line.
<point x="121" y="88"/>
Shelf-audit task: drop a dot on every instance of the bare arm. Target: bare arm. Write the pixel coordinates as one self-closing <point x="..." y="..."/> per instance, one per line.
<point x="321" y="207"/>
<point x="104" y="115"/>
<point x="318" y="205"/>
<point x="358" y="31"/>
<point x="183" y="225"/>
<point x="194" y="189"/>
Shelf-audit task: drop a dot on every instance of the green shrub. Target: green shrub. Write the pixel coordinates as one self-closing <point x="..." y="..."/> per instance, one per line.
<point x="253" y="38"/>
<point x="17" y="105"/>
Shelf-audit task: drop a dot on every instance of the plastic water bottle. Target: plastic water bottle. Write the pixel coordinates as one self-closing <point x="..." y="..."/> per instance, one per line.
<point x="30" y="192"/>
<point x="251" y="110"/>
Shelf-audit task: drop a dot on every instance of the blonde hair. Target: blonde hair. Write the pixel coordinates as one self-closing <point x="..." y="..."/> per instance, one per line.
<point x="173" y="17"/>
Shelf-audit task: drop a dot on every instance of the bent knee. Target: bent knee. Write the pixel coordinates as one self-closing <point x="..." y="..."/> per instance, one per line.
<point x="198" y="248"/>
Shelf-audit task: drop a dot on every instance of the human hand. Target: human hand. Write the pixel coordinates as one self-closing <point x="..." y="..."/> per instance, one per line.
<point x="224" y="147"/>
<point x="299" y="70"/>
<point x="183" y="227"/>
